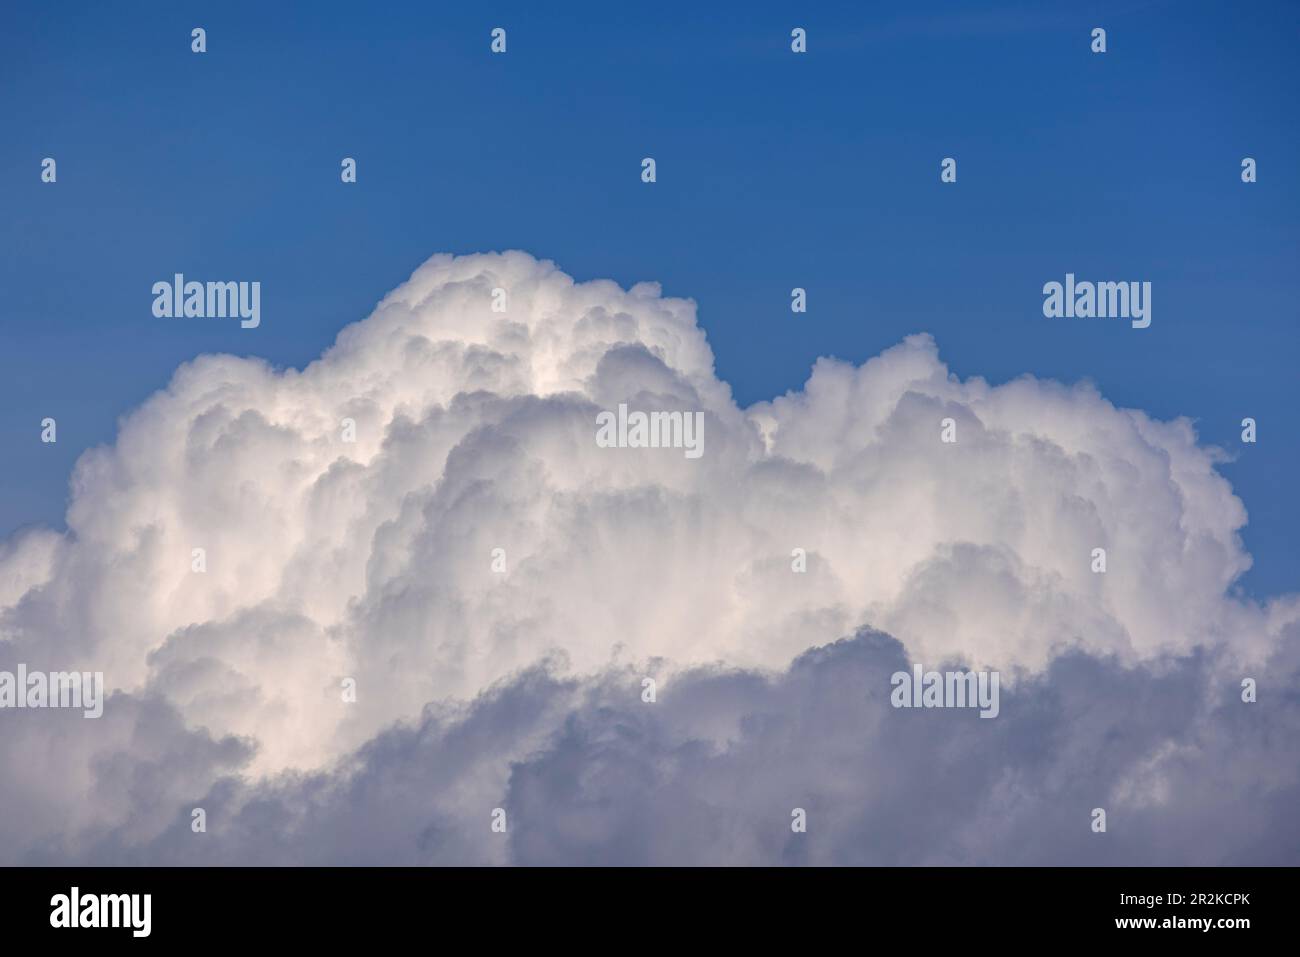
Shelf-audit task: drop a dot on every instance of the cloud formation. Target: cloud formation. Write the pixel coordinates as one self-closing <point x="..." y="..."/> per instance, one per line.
<point x="478" y="688"/>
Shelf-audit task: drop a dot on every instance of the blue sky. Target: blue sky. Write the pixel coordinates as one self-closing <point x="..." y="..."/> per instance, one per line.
<point x="774" y="171"/>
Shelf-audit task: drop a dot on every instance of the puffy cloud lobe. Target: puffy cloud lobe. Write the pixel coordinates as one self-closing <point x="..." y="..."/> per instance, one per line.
<point x="474" y="431"/>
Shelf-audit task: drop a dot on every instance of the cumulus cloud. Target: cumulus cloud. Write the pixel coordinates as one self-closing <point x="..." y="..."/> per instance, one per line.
<point x="478" y="688"/>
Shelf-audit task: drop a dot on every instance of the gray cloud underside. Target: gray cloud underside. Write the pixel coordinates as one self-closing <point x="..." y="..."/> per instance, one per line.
<point x="588" y="773"/>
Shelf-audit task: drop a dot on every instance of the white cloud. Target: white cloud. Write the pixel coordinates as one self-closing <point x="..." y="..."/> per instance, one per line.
<point x="476" y="431"/>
